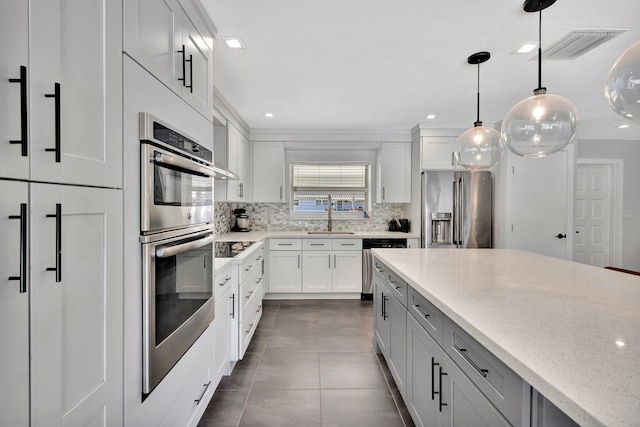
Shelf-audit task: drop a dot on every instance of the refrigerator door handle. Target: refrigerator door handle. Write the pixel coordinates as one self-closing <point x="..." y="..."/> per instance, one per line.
<point x="456" y="209"/>
<point x="461" y="211"/>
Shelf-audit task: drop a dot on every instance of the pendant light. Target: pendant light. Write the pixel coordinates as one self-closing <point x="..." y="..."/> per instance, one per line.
<point x="622" y="86"/>
<point x="544" y="123"/>
<point x="480" y="147"/>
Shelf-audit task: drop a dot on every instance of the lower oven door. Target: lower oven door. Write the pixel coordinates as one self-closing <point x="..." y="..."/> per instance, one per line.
<point x="176" y="192"/>
<point x="178" y="301"/>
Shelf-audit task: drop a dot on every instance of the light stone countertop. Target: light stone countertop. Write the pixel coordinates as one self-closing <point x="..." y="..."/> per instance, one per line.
<point x="570" y="330"/>
<point x="263" y="235"/>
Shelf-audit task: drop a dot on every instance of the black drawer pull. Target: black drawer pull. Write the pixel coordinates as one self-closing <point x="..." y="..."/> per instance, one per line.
<point x="24" y="126"/>
<point x="416" y="307"/>
<point x="23" y="248"/>
<point x="56" y="98"/>
<point x="184" y="70"/>
<point x="463" y="353"/>
<point x="206" y="387"/>
<point x="233" y="306"/>
<point x="433" y="379"/>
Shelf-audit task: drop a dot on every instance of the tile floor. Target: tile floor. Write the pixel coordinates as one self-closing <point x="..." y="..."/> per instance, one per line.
<point x="311" y="363"/>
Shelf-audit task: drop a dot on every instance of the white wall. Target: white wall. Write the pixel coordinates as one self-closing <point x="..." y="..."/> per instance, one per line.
<point x="629" y="152"/>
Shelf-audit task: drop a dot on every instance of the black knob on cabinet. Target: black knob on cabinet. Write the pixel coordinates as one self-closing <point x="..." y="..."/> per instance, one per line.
<point x="561" y="236"/>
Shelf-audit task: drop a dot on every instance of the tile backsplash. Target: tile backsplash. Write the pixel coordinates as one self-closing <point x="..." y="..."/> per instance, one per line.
<point x="276" y="217"/>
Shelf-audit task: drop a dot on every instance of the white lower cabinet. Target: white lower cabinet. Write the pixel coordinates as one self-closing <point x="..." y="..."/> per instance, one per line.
<point x="225" y="299"/>
<point x="61" y="323"/>
<point x="382" y="328"/>
<point x="285" y="265"/>
<point x="316" y="272"/>
<point x="250" y="293"/>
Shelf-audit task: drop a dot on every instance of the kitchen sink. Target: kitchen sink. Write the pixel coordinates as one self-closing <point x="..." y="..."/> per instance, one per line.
<point x="330" y="232"/>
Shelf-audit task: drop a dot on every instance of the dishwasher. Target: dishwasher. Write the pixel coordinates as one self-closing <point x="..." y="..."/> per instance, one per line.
<point x="367" y="260"/>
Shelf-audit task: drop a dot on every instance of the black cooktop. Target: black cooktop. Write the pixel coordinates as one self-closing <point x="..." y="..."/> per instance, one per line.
<point x="230" y="249"/>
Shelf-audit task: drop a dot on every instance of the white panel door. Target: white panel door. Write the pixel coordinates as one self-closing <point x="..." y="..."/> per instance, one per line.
<point x="76" y="91"/>
<point x="268" y="172"/>
<point x="347" y="271"/>
<point x="285" y="274"/>
<point x="76" y="309"/>
<point x="540" y="207"/>
<point x="14" y="51"/>
<point x="593" y="215"/>
<point x="14" y="305"/>
<point x="316" y="271"/>
<point x="222" y="330"/>
<point x="199" y="90"/>
<point x="395" y="170"/>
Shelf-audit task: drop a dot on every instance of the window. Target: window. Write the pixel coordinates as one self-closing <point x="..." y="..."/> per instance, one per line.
<point x="347" y="184"/>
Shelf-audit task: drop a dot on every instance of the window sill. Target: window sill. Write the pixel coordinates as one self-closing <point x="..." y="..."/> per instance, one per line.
<point x="334" y="216"/>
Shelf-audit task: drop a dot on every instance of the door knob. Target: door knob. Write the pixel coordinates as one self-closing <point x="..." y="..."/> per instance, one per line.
<point x="561" y="236"/>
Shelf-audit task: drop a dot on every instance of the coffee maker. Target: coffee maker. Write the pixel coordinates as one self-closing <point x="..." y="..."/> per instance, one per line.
<point x="242" y="220"/>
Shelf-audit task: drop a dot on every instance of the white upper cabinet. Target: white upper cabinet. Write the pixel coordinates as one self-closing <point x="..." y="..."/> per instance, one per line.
<point x="395" y="173"/>
<point x="14" y="51"/>
<point x="74" y="83"/>
<point x="437" y="152"/>
<point x="173" y="45"/>
<point x="239" y="161"/>
<point x="269" y="172"/>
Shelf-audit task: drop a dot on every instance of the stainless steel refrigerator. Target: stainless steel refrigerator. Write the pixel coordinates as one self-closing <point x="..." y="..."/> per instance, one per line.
<point x="456" y="209"/>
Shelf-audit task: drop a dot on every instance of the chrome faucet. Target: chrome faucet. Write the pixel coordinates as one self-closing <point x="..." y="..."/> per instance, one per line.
<point x="329" y="219"/>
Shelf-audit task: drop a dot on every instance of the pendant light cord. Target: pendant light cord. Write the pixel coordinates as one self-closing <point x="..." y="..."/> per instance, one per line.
<point x="540" y="88"/>
<point x="478" y="122"/>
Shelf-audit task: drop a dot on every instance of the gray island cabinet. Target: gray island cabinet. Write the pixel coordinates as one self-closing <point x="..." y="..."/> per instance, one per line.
<point x="487" y="338"/>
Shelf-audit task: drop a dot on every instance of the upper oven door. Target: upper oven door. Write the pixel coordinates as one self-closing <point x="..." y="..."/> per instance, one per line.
<point x="176" y="192"/>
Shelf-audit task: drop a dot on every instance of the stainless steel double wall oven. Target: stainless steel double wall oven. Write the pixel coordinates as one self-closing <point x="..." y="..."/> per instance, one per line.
<point x="177" y="236"/>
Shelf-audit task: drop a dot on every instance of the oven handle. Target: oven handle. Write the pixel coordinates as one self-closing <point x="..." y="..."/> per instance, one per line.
<point x="184" y="164"/>
<point x="169" y="251"/>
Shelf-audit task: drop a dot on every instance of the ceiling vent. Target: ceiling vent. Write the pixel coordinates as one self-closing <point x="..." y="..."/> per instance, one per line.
<point x="577" y="43"/>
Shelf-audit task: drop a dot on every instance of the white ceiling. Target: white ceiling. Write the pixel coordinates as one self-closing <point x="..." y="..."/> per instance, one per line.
<point x="385" y="64"/>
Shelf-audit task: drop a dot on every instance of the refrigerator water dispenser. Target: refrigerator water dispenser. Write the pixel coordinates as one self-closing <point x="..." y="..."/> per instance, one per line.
<point x="440" y="228"/>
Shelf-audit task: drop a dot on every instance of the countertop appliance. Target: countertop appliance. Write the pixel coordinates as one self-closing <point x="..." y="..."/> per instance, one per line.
<point x="242" y="220"/>
<point x="456" y="209"/>
<point x="230" y="249"/>
<point x="367" y="261"/>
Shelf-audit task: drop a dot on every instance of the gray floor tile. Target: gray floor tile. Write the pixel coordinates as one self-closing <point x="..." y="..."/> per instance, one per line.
<point x="280" y="371"/>
<point x="282" y="408"/>
<point x="225" y="409"/>
<point x="350" y="370"/>
<point x="359" y="408"/>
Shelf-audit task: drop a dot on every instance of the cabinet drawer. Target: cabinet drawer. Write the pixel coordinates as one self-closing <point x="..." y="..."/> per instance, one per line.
<point x="380" y="269"/>
<point x="249" y="286"/>
<point x="285" y="244"/>
<point x="223" y="280"/>
<point x="397" y="287"/>
<point x="316" y="244"/>
<point x="503" y="387"/>
<point x="427" y="315"/>
<point x="347" y="244"/>
<point x="251" y="267"/>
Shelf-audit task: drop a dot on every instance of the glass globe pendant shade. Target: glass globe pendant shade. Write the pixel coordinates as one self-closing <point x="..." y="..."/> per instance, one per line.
<point x="479" y="148"/>
<point x="622" y="86"/>
<point x="540" y="125"/>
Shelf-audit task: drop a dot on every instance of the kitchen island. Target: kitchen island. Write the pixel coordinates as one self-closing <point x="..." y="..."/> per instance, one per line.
<point x="569" y="330"/>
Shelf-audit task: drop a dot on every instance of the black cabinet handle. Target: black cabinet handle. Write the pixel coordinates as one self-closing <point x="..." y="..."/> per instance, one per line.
<point x="184" y="66"/>
<point x="561" y="236"/>
<point x="233" y="306"/>
<point x="463" y="353"/>
<point x="56" y="96"/>
<point x="416" y="307"/>
<point x="58" y="267"/>
<point x="440" y="392"/>
<point x="385" y="316"/>
<point x="433" y="379"/>
<point x="23" y="248"/>
<point x="23" y="110"/>
<point x="190" y="85"/>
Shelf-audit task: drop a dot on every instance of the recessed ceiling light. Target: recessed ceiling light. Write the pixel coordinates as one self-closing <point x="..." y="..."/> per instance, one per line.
<point x="430" y="116"/>
<point x="269" y="115"/>
<point x="527" y="47"/>
<point x="620" y="343"/>
<point x="234" y="43"/>
<point x="623" y="126"/>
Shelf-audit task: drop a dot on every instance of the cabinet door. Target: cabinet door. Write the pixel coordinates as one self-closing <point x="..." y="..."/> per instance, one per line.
<point x="268" y="172"/>
<point x="244" y="168"/>
<point x="465" y="403"/>
<point x="395" y="165"/>
<point x="316" y="271"/>
<point x="198" y="90"/>
<point x="76" y="92"/>
<point x="14" y="51"/>
<point x="423" y="359"/>
<point x="233" y="154"/>
<point x="381" y="315"/>
<point x="347" y="271"/>
<point x="76" y="311"/>
<point x="437" y="152"/>
<point x="285" y="271"/>
<point x="152" y="37"/>
<point x="222" y="331"/>
<point x="14" y="305"/>
<point x="398" y="343"/>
